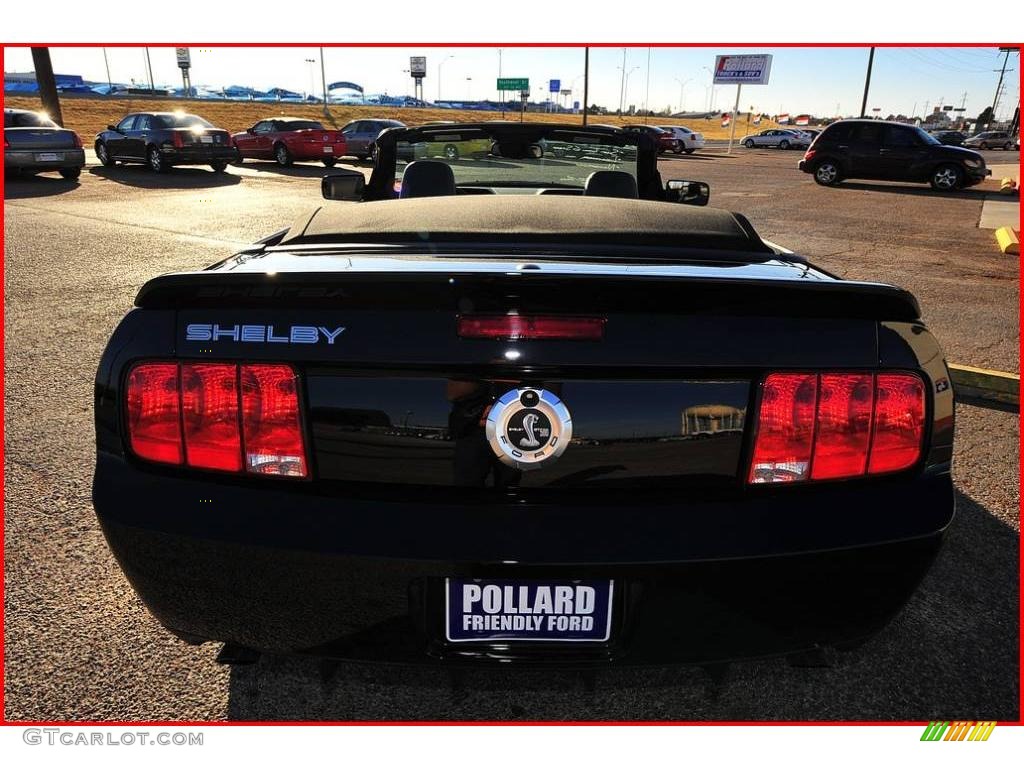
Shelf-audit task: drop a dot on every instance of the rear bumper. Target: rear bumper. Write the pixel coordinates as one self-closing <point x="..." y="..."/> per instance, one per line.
<point x="316" y="151"/>
<point x="199" y="155"/>
<point x="293" y="572"/>
<point x="18" y="160"/>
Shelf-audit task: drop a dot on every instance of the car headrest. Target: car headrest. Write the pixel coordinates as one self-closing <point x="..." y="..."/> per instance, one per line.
<point x="610" y="184"/>
<point x="427" y="178"/>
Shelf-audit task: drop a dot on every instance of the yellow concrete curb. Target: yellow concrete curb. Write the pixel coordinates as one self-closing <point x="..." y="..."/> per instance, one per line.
<point x="1009" y="242"/>
<point x="982" y="383"/>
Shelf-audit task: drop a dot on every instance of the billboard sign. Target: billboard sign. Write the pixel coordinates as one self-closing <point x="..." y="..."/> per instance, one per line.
<point x="184" y="57"/>
<point x="745" y="69"/>
<point x="555" y="86"/>
<point x="418" y="66"/>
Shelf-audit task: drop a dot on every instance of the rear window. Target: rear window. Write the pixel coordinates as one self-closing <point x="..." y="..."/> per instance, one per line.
<point x="27" y="120"/>
<point x="302" y="125"/>
<point x="180" y="121"/>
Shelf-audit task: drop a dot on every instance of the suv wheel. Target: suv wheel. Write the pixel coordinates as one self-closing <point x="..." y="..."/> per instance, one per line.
<point x="451" y="152"/>
<point x="826" y="173"/>
<point x="1008" y="146"/>
<point x="947" y="178"/>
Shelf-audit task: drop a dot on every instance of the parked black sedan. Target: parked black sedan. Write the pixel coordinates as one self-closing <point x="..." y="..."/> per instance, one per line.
<point x="162" y="140"/>
<point x="33" y="143"/>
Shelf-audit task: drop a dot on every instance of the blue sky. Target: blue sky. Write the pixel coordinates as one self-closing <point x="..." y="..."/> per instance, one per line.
<point x="814" y="80"/>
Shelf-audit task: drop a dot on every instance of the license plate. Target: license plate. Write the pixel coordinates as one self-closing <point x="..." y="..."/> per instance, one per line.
<point x="206" y="139"/>
<point x="568" y="611"/>
<point x="49" y="157"/>
<point x="329" y="150"/>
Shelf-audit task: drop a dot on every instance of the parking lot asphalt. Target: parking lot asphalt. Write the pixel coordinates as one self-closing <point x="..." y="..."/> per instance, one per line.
<point x="80" y="645"/>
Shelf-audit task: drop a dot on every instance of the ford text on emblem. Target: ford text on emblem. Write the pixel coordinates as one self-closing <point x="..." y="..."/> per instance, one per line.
<point x="527" y="427"/>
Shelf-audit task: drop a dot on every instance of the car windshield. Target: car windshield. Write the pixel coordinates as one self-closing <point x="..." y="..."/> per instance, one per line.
<point x="562" y="158"/>
<point x="926" y="137"/>
<point x="182" y="121"/>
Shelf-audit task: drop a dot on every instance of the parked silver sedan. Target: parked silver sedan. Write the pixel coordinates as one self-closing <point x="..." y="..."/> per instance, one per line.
<point x="777" y="137"/>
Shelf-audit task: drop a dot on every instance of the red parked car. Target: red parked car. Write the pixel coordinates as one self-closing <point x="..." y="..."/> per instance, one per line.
<point x="666" y="141"/>
<point x="287" y="139"/>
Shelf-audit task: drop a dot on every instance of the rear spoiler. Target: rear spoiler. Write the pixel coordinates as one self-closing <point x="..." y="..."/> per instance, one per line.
<point x="740" y="296"/>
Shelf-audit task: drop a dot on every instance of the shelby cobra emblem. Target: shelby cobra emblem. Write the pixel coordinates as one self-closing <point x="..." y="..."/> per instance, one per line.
<point x="527" y="427"/>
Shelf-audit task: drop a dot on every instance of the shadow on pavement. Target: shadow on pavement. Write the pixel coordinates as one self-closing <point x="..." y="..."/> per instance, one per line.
<point x="951" y="654"/>
<point x="23" y="187"/>
<point x="181" y="177"/>
<point x="301" y="168"/>
<point x="924" y="190"/>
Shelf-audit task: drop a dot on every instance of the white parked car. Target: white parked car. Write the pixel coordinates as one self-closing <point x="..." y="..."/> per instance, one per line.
<point x="778" y="137"/>
<point x="689" y="141"/>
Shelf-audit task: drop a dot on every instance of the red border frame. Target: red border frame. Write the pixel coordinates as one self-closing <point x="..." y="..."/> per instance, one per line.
<point x="407" y="44"/>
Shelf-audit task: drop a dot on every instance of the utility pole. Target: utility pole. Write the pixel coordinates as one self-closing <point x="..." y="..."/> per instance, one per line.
<point x="47" y="84"/>
<point x="323" y="82"/>
<point x="647" y="87"/>
<point x="622" y="82"/>
<point x="867" y="84"/>
<point x="106" y="63"/>
<point x="1002" y="72"/>
<point x="586" y="81"/>
<point x="149" y="69"/>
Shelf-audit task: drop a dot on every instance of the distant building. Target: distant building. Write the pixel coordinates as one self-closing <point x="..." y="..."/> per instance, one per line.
<point x="711" y="420"/>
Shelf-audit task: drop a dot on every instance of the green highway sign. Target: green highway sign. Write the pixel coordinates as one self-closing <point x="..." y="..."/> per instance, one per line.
<point x="513" y="83"/>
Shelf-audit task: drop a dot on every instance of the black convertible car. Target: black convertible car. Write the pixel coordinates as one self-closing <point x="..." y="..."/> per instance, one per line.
<point x="522" y="409"/>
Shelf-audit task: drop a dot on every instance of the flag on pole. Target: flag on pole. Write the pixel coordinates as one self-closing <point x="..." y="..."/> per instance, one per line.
<point x="757" y="119"/>
<point x="726" y="119"/>
<point x="783" y="119"/>
<point x="803" y="119"/>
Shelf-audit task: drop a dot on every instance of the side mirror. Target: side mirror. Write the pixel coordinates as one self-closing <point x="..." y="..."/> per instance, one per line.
<point x="687" y="192"/>
<point x="113" y="128"/>
<point x="344" y="185"/>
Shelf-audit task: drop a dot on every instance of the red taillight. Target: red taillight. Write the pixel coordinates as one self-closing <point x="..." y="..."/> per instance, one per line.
<point x="837" y="425"/>
<point x="154" y="412"/>
<point x="270" y="420"/>
<point x="178" y="138"/>
<point x="785" y="431"/>
<point x="521" y="327"/>
<point x="810" y="153"/>
<point x="220" y="416"/>
<point x="77" y="139"/>
<point x="209" y="407"/>
<point x="844" y="426"/>
<point x="899" y="422"/>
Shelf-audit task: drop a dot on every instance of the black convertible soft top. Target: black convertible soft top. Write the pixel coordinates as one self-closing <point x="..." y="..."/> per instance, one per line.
<point x="511" y="219"/>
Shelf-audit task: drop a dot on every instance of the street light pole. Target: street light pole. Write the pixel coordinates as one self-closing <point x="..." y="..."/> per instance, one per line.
<point x="625" y="92"/>
<point x="441" y="64"/>
<point x="682" y="86"/>
<point x="586" y="81"/>
<point x="622" y="82"/>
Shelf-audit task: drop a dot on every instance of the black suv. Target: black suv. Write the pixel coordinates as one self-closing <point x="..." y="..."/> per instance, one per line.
<point x="877" y="149"/>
